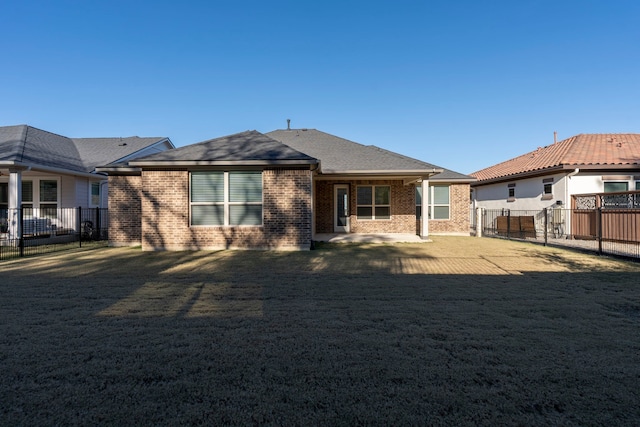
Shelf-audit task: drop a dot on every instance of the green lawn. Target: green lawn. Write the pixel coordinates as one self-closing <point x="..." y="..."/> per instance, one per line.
<point x="459" y="331"/>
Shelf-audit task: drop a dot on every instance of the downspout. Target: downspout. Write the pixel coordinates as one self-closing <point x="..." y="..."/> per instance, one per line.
<point x="312" y="172"/>
<point x="567" y="224"/>
<point x="567" y="193"/>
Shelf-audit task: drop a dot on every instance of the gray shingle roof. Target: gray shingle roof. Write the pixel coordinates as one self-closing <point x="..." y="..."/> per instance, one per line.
<point x="96" y="152"/>
<point x="23" y="144"/>
<point x="341" y="155"/>
<point x="250" y="147"/>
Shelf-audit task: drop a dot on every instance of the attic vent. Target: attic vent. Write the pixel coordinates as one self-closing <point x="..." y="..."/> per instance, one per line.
<point x="122" y="144"/>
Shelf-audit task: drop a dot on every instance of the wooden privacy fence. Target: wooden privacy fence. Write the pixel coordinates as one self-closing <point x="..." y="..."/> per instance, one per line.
<point x="619" y="225"/>
<point x="606" y="216"/>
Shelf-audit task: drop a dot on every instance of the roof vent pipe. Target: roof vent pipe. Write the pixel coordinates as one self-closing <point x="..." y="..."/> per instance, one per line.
<point x="555" y="136"/>
<point x="288" y="124"/>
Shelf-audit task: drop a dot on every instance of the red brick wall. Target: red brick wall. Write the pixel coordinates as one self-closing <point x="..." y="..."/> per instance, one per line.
<point x="286" y="214"/>
<point x="403" y="209"/>
<point x="459" y="213"/>
<point x="125" y="210"/>
<point x="403" y="219"/>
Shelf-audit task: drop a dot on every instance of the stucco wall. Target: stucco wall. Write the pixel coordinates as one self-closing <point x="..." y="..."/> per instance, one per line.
<point x="528" y="194"/>
<point x="529" y="190"/>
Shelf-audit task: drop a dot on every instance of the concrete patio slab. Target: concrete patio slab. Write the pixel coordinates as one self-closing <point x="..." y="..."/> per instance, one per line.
<point x="369" y="238"/>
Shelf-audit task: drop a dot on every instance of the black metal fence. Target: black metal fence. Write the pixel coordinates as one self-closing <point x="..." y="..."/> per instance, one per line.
<point x="601" y="230"/>
<point x="31" y="231"/>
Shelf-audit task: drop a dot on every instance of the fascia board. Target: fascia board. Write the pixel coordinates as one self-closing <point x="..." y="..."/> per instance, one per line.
<point x="119" y="170"/>
<point x="386" y="172"/>
<point x="183" y="163"/>
<point x="48" y="169"/>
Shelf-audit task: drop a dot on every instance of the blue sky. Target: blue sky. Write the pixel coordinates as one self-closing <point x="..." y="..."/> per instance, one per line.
<point x="461" y="84"/>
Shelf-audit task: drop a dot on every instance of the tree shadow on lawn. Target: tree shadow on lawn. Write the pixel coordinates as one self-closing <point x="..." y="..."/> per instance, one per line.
<point x="343" y="335"/>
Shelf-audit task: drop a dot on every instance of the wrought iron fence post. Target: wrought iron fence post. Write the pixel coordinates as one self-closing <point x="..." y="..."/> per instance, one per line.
<point x="509" y="224"/>
<point x="21" y="230"/>
<point x="98" y="231"/>
<point x="546" y="225"/>
<point x="79" y="226"/>
<point x="599" y="228"/>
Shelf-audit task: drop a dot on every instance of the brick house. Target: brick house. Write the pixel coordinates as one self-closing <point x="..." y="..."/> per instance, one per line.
<point x="278" y="191"/>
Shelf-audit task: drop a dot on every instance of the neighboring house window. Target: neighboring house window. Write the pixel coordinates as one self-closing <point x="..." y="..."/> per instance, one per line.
<point x="637" y="185"/>
<point x="27" y="194"/>
<point x="438" y="205"/>
<point x="40" y="200"/>
<point x="226" y="198"/>
<point x="374" y="202"/>
<point x="511" y="193"/>
<point x="95" y="194"/>
<point x="547" y="189"/>
<point x="614" y="187"/>
<point x="49" y="198"/>
<point x="4" y="197"/>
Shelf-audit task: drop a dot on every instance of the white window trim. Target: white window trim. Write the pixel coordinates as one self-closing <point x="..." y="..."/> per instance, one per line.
<point x="433" y="205"/>
<point x="90" y="202"/>
<point x="226" y="203"/>
<point x="36" y="202"/>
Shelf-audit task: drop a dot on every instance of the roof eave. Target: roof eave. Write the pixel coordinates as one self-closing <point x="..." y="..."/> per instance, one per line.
<point x="528" y="174"/>
<point x="457" y="180"/>
<point x="386" y="172"/>
<point x="632" y="166"/>
<point x="49" y="169"/>
<point x="119" y="170"/>
<point x="183" y="163"/>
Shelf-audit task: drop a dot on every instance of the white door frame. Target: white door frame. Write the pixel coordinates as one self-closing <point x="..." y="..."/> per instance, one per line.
<point x="341" y="223"/>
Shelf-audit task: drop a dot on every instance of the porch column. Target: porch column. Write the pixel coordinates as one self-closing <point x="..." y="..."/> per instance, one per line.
<point x="424" y="229"/>
<point x="15" y="202"/>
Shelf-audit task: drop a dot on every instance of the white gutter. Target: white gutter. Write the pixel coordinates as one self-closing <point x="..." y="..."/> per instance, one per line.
<point x="170" y="163"/>
<point x="50" y="169"/>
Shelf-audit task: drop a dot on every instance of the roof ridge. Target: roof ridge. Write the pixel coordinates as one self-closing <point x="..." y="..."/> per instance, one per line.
<point x="46" y="131"/>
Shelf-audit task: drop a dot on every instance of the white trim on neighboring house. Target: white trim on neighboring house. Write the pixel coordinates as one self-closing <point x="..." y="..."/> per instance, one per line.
<point x="424" y="215"/>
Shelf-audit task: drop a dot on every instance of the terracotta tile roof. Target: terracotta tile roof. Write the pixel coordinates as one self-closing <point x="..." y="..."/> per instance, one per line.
<point x="606" y="149"/>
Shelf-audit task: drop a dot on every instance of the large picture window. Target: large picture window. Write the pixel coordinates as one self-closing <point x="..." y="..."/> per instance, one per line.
<point x="438" y="204"/>
<point x="374" y="202"/>
<point x="40" y="198"/>
<point x="226" y="198"/>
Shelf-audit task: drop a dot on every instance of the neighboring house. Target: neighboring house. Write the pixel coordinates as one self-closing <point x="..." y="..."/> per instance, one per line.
<point x="47" y="172"/>
<point x="276" y="191"/>
<point x="551" y="175"/>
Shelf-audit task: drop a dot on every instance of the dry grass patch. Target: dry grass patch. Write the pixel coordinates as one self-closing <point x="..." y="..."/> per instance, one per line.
<point x="459" y="331"/>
